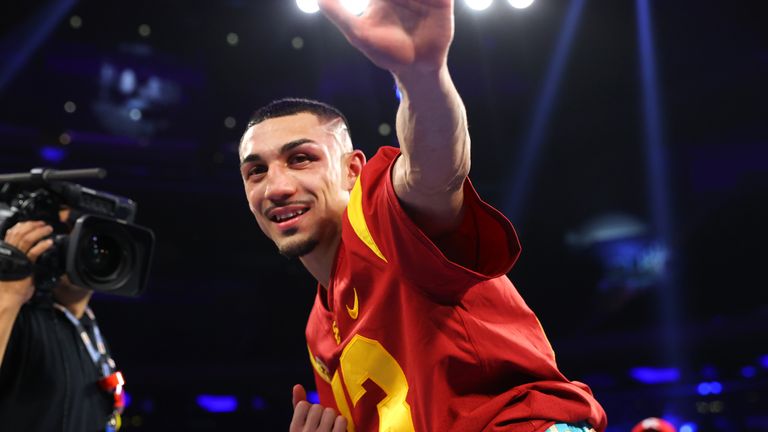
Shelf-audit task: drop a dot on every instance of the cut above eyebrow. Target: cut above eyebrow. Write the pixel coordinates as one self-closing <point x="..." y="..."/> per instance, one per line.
<point x="285" y="148"/>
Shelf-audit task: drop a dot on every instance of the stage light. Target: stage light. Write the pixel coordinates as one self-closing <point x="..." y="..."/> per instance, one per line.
<point x="127" y="83"/>
<point x="385" y="129"/>
<point x="75" y="22"/>
<point x="357" y="7"/>
<point x="297" y="43"/>
<point x="478" y="5"/>
<point x="704" y="388"/>
<point x="52" y="154"/>
<point x="70" y="107"/>
<point x="230" y="122"/>
<point x="520" y="4"/>
<point x="233" y="39"/>
<point x="652" y="375"/>
<point x="748" y="371"/>
<point x="65" y="139"/>
<point x="144" y="30"/>
<point x="688" y="427"/>
<point x="135" y="114"/>
<point x="217" y="403"/>
<point x="308" y="6"/>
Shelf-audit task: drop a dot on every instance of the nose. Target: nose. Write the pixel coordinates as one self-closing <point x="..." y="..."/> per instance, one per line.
<point x="280" y="185"/>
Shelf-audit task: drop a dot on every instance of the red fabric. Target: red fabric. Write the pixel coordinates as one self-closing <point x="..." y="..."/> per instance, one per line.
<point x="474" y="355"/>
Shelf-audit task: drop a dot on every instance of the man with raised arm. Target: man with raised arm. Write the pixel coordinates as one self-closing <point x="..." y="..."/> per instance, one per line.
<point x="415" y="325"/>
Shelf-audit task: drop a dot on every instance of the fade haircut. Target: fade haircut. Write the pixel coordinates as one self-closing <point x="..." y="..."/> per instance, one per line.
<point x="289" y="106"/>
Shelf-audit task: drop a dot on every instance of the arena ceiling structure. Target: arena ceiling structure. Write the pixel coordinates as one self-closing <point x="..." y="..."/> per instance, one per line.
<point x="626" y="141"/>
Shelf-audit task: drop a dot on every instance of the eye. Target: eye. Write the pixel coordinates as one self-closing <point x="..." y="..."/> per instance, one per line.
<point x="299" y="159"/>
<point x="255" y="170"/>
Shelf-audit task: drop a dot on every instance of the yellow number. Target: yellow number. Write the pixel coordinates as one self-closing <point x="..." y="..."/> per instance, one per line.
<point x="341" y="401"/>
<point x="364" y="359"/>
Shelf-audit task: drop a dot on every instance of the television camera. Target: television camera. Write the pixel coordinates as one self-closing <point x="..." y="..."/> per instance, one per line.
<point x="98" y="247"/>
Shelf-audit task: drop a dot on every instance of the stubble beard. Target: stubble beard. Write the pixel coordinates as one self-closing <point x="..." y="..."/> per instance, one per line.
<point x="297" y="247"/>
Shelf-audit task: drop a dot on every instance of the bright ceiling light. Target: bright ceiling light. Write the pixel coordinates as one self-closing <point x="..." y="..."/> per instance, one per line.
<point x="478" y="5"/>
<point x="357" y="7"/>
<point x="520" y="4"/>
<point x="308" y="6"/>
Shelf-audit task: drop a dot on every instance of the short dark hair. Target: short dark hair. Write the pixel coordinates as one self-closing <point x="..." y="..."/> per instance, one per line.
<point x="289" y="106"/>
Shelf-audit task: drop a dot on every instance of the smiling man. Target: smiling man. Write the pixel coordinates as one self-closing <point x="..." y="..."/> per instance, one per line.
<point x="415" y="325"/>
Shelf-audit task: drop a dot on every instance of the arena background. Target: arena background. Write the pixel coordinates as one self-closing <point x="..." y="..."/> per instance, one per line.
<point x="626" y="140"/>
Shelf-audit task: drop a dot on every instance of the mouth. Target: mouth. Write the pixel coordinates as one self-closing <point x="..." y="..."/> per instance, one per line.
<point x="282" y="215"/>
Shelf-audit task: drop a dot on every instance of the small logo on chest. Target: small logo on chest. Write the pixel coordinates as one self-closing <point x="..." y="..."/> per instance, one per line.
<point x="336" y="334"/>
<point x="352" y="311"/>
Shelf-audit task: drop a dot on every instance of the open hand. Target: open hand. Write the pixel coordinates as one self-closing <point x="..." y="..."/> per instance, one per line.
<point x="398" y="35"/>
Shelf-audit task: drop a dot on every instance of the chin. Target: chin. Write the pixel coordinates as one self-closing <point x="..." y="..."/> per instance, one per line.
<point x="297" y="249"/>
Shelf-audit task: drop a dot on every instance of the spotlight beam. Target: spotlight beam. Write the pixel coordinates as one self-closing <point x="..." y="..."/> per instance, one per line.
<point x="20" y="44"/>
<point x="658" y="184"/>
<point x="531" y="145"/>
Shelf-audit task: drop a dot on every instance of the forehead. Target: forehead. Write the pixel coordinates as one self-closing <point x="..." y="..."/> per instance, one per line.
<point x="273" y="133"/>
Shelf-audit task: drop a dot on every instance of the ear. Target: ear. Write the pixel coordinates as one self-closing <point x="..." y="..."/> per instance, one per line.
<point x="354" y="162"/>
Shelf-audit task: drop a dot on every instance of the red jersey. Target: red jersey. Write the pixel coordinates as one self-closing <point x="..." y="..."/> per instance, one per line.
<point x="416" y="342"/>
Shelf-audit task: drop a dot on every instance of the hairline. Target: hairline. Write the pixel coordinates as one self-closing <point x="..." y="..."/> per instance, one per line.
<point x="324" y="118"/>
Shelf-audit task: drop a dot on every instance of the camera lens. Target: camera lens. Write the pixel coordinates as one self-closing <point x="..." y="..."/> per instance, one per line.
<point x="101" y="256"/>
<point x="108" y="255"/>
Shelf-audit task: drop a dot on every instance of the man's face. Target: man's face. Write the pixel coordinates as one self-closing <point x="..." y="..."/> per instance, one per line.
<point x="297" y="180"/>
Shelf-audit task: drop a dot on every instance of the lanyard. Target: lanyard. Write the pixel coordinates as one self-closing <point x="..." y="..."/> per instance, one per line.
<point x="98" y="352"/>
<point x="111" y="380"/>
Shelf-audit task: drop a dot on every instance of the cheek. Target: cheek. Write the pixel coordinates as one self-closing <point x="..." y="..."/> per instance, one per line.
<point x="254" y="203"/>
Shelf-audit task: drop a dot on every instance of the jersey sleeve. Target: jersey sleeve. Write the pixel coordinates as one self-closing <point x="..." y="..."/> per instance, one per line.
<point x="489" y="242"/>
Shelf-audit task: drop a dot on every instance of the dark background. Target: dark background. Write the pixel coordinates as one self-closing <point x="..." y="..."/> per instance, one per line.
<point x="224" y="313"/>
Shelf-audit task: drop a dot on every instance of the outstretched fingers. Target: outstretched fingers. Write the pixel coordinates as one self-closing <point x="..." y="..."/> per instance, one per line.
<point x="339" y="16"/>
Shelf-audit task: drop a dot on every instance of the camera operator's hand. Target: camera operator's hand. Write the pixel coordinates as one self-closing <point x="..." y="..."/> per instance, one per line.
<point x="25" y="236"/>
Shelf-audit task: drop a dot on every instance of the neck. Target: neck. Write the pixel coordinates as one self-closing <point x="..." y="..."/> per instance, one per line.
<point x="320" y="261"/>
<point x="73" y="298"/>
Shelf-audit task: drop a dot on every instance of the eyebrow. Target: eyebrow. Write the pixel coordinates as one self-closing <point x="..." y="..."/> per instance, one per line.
<point x="285" y="148"/>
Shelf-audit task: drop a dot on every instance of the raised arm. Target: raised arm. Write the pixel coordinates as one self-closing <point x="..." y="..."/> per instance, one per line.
<point x="410" y="38"/>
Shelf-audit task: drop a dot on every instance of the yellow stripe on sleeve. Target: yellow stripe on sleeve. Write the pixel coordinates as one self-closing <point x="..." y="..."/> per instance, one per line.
<point x="357" y="219"/>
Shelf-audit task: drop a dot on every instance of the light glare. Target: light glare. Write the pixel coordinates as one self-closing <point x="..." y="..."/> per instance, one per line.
<point x="520" y="4"/>
<point x="385" y="129"/>
<point x="478" y="5"/>
<point x="232" y="39"/>
<point x="145" y="30"/>
<point x="308" y="6"/>
<point x="75" y="22"/>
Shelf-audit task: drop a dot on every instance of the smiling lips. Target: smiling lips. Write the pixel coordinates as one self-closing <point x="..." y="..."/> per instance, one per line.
<point x="281" y="215"/>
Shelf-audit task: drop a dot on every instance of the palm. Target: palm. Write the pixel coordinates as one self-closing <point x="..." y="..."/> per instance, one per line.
<point x="398" y="34"/>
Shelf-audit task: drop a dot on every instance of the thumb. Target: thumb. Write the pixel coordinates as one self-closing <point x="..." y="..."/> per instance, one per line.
<point x="299" y="394"/>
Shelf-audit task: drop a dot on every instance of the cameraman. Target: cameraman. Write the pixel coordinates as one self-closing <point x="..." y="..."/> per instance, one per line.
<point x="56" y="373"/>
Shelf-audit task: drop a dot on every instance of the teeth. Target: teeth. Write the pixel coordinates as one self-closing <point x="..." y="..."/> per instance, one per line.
<point x="287" y="216"/>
